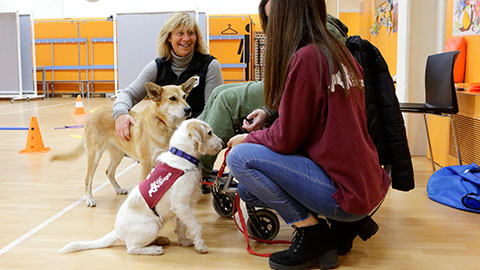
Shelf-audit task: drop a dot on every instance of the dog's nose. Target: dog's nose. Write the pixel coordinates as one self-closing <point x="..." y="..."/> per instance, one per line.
<point x="187" y="110"/>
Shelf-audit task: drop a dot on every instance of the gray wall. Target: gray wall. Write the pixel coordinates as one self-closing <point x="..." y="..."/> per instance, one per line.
<point x="137" y="35"/>
<point x="9" y="72"/>
<point x="26" y="53"/>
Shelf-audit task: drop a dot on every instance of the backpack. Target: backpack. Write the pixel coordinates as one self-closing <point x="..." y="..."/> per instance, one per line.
<point x="456" y="186"/>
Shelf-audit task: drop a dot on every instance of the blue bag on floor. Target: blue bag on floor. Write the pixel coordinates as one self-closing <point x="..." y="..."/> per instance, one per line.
<point x="456" y="186"/>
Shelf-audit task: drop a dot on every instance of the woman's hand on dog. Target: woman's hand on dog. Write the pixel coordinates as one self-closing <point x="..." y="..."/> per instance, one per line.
<point x="122" y="126"/>
<point x="237" y="139"/>
<point x="259" y="118"/>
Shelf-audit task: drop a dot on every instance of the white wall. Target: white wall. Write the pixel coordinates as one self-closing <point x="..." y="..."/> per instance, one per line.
<point x="47" y="9"/>
<point x="103" y="8"/>
<point x="419" y="35"/>
<point x="349" y="6"/>
<point x="40" y="8"/>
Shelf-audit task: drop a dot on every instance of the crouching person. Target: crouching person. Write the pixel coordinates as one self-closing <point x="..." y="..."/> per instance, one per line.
<point x="317" y="158"/>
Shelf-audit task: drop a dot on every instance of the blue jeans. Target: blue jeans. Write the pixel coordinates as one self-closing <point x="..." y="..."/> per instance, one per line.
<point x="294" y="186"/>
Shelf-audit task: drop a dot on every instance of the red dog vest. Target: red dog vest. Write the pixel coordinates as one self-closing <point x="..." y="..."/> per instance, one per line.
<point x="158" y="181"/>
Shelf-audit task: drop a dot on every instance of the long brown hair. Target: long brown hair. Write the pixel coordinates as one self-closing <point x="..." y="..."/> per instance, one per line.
<point x="290" y="25"/>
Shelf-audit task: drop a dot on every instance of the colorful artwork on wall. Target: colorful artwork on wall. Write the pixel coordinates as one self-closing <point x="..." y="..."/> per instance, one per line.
<point x="383" y="16"/>
<point x="395" y="17"/>
<point x="466" y="17"/>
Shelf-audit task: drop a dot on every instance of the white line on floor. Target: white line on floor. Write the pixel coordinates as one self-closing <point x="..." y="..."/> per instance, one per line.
<point x="57" y="215"/>
<point x="37" y="108"/>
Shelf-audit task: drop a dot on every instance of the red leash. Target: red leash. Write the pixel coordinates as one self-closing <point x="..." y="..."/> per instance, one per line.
<point x="220" y="172"/>
<point x="236" y="207"/>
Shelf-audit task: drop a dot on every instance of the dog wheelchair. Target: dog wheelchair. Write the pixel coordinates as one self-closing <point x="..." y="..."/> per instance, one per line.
<point x="262" y="223"/>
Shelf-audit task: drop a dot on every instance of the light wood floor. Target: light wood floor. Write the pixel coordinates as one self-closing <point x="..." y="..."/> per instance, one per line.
<point x="40" y="212"/>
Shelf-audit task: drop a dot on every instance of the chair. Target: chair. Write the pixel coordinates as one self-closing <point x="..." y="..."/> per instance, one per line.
<point x="440" y="94"/>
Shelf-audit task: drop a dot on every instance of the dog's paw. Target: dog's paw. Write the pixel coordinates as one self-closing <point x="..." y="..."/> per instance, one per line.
<point x="186" y="242"/>
<point x="201" y="247"/>
<point x="122" y="191"/>
<point x="156" y="250"/>
<point x="90" y="202"/>
<point x="148" y="250"/>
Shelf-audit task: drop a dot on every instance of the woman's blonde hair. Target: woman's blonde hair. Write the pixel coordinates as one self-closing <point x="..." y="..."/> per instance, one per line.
<point x="182" y="21"/>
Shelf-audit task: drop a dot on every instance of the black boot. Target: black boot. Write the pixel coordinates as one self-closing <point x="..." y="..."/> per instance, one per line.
<point x="311" y="245"/>
<point x="346" y="232"/>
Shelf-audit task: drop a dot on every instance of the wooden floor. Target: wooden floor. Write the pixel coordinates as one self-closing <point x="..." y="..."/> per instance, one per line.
<point x="41" y="210"/>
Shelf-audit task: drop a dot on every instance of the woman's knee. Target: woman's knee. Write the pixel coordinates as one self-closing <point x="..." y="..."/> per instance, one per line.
<point x="235" y="158"/>
<point x="245" y="154"/>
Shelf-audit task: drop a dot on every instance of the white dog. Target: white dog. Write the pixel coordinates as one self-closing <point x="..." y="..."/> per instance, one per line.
<point x="137" y="224"/>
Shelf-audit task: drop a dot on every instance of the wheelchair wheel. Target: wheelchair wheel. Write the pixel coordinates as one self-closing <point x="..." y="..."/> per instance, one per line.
<point x="266" y="225"/>
<point x="223" y="204"/>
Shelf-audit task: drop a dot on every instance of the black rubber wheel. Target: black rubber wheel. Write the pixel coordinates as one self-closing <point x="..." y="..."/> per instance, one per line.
<point x="269" y="225"/>
<point x="223" y="204"/>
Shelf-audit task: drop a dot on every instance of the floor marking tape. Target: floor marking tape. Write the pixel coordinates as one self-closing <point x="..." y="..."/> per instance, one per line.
<point x="57" y="215"/>
<point x="37" y="108"/>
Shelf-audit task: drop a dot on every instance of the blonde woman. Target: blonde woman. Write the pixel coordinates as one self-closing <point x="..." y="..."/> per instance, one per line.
<point x="182" y="53"/>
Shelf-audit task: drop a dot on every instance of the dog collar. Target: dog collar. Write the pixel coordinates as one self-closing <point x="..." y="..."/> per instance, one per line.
<point x="184" y="155"/>
<point x="160" y="119"/>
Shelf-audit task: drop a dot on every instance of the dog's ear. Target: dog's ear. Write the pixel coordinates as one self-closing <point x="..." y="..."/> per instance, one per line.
<point x="190" y="84"/>
<point x="197" y="132"/>
<point x="154" y="91"/>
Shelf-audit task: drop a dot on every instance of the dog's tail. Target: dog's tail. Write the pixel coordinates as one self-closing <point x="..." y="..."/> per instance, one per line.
<point x="70" y="155"/>
<point x="106" y="241"/>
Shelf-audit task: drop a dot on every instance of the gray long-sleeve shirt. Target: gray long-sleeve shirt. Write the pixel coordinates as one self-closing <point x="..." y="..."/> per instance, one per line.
<point x="135" y="92"/>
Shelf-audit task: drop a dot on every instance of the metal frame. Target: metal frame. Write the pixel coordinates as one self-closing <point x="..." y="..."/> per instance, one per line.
<point x="93" y="67"/>
<point x="243" y="65"/>
<point x="53" y="67"/>
<point x="454" y="138"/>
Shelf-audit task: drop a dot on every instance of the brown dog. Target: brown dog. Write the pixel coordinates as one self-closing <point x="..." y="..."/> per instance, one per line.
<point x="150" y="135"/>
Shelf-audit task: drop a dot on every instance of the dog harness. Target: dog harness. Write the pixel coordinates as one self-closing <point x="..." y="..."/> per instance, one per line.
<point x="161" y="178"/>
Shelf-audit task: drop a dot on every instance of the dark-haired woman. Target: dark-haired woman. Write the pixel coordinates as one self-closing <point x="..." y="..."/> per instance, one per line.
<point x="316" y="159"/>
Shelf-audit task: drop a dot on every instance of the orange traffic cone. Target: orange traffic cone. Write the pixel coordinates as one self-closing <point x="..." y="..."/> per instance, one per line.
<point x="79" y="110"/>
<point x="34" y="140"/>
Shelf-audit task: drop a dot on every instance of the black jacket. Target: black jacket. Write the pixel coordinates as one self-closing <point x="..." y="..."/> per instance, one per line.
<point x="385" y="122"/>
<point x="198" y="66"/>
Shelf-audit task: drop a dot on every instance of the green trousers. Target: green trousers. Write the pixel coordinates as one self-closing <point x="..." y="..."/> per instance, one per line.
<point x="225" y="110"/>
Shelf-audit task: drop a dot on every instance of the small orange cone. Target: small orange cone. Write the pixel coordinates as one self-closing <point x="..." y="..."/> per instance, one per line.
<point x="34" y="140"/>
<point x="79" y="110"/>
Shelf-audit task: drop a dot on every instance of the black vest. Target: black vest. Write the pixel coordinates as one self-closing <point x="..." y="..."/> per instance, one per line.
<point x="198" y="66"/>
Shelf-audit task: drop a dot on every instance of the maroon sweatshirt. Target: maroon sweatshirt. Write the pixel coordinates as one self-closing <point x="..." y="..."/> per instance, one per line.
<point x="330" y="128"/>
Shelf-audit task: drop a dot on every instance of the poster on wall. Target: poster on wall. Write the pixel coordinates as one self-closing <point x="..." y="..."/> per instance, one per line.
<point x="466" y="17"/>
<point x="383" y="17"/>
<point x="395" y="16"/>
